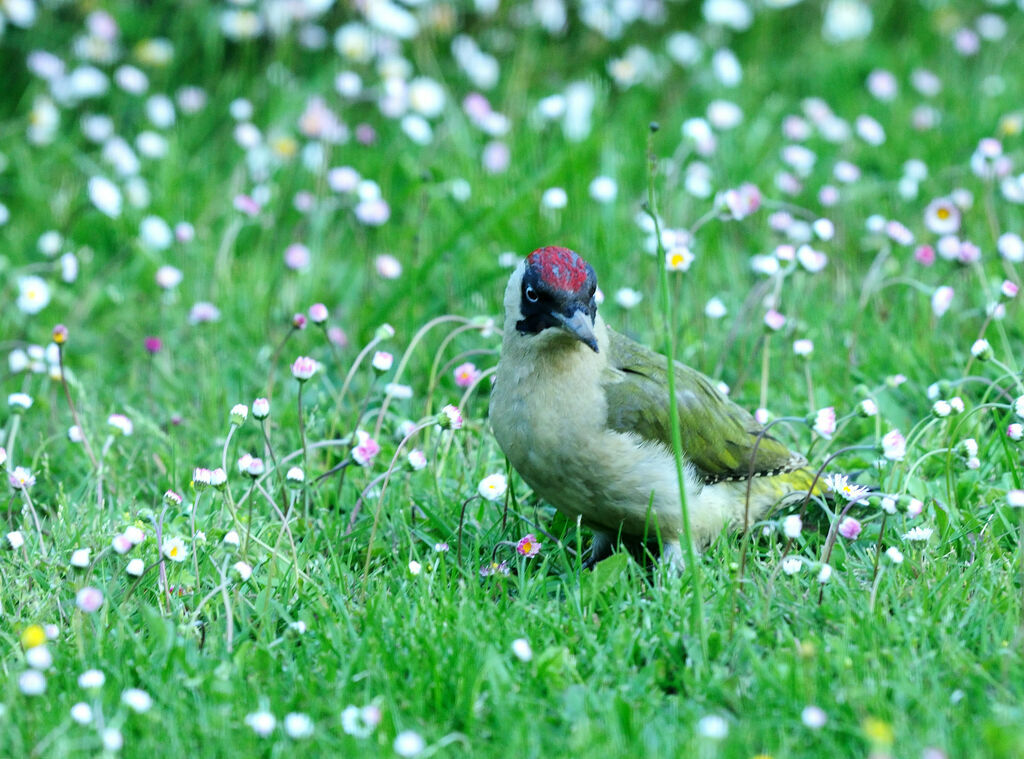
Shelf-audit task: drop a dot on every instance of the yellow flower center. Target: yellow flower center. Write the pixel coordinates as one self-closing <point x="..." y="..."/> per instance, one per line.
<point x="943" y="213"/>
<point x="32" y="636"/>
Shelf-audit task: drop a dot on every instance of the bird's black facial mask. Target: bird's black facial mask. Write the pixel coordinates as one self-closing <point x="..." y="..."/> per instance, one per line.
<point x="557" y="284"/>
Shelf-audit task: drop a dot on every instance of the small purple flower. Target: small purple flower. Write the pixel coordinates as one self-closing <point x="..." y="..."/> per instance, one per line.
<point x="153" y="345"/>
<point x="849" y="528"/>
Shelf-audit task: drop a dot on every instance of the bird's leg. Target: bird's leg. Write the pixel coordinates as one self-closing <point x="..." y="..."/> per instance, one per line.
<point x="672" y="556"/>
<point x="601" y="547"/>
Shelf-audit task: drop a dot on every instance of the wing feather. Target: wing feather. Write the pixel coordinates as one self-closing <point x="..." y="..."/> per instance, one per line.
<point x="718" y="436"/>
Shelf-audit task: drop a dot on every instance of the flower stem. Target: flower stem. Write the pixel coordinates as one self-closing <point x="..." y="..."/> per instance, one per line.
<point x="690" y="551"/>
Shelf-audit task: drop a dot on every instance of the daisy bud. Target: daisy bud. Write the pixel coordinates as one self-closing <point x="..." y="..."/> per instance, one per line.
<point x="825" y="422"/>
<point x="15" y="539"/>
<point x="121" y="544"/>
<point x="956" y="403"/>
<point x="774" y="321"/>
<point x="792" y="525"/>
<point x="867" y="408"/>
<point x="894" y="555"/>
<point x="981" y="350"/>
<point x="304" y="367"/>
<point x="173" y="500"/>
<point x="231" y="539"/>
<point x="824" y="574"/>
<point x="522" y="650"/>
<point x="242" y="570"/>
<point x="135" y="567"/>
<point x="968" y="448"/>
<point x="384" y="332"/>
<point x="914" y="507"/>
<point x="80" y="558"/>
<point x="218" y="478"/>
<point x="255" y="468"/>
<point x="295" y="476"/>
<point x="239" y="413"/>
<point x="894" y="445"/>
<point x="418" y="460"/>
<point x="1009" y="289"/>
<point x="318" y="313"/>
<point x="1015" y="499"/>
<point x="243" y="462"/>
<point x="382" y="361"/>
<point x="450" y="417"/>
<point x="791" y="565"/>
<point x="19" y="402"/>
<point x="299" y="321"/>
<point x="135" y="534"/>
<point x="941" y="409"/>
<point x="261" y="408"/>
<point x="1015" y="432"/>
<point x="803" y="347"/>
<point x="1018" y="407"/>
<point x="89" y="599"/>
<point x="201" y="479"/>
<point x="60" y="333"/>
<point x="889" y="505"/>
<point x="415" y="568"/>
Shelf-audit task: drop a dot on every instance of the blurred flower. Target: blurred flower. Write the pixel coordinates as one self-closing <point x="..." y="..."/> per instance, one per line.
<point x="382" y="361"/>
<point x="894" y="446"/>
<point x="32" y="683"/>
<point x="679" y="258"/>
<point x="493" y="487"/>
<point x="135" y="567"/>
<point x="120" y="423"/>
<point x="918" y="534"/>
<point x="554" y="198"/>
<point x="80" y="558"/>
<point x="713" y="727"/>
<point x="33" y="294"/>
<point x="318" y="313"/>
<point x="89" y="599"/>
<point x="466" y="375"/>
<point x="360" y="722"/>
<point x="203" y="313"/>
<point x="813" y="717"/>
<point x="521" y="649"/>
<point x="825" y="422"/>
<point x="792" y="564"/>
<point x="1015" y="499"/>
<point x="297" y="257"/>
<point x="742" y="201"/>
<point x="942" y="299"/>
<point x="242" y="570"/>
<point x="850" y="528"/>
<point x="942" y="217"/>
<point x="981" y="350"/>
<point x="773" y="320"/>
<point x="81" y="713"/>
<point x="137" y="700"/>
<point x="261" y="722"/>
<point x="409" y="743"/>
<point x="628" y="298"/>
<point x="21" y="478"/>
<point x="847" y="20"/>
<point x="168" y="277"/>
<point x="366" y="449"/>
<point x="450" y="418"/>
<point x="238" y="414"/>
<point x="19" y="402"/>
<point x="417" y="460"/>
<point x="792" y="524"/>
<point x="105" y="195"/>
<point x="603" y="189"/>
<point x="298" y="725"/>
<point x="824" y="574"/>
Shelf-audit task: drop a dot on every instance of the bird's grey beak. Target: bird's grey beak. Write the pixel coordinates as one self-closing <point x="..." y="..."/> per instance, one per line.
<point x="580" y="326"/>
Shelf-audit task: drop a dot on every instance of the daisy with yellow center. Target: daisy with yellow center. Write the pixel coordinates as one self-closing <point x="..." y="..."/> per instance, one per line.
<point x="175" y="550"/>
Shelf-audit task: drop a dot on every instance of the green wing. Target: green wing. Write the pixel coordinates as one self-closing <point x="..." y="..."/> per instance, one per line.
<point x="718" y="436"/>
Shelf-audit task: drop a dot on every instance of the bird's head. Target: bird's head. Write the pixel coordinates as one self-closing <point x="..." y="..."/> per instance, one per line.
<point x="553" y="289"/>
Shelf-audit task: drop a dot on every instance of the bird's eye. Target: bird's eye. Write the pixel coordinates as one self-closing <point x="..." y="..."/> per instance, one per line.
<point x="531" y="294"/>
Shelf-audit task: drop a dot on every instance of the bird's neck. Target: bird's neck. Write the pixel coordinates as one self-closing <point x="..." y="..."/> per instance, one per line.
<point x="553" y="352"/>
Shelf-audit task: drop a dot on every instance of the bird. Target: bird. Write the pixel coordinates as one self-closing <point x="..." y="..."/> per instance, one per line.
<point x="582" y="414"/>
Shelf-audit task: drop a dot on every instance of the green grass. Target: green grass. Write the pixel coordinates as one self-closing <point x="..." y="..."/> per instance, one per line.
<point x="901" y="657"/>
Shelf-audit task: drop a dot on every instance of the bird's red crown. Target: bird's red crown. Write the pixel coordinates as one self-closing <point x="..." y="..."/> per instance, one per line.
<point x="559" y="267"/>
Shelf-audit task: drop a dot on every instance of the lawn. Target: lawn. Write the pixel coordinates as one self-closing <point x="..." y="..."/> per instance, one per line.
<point x="245" y="244"/>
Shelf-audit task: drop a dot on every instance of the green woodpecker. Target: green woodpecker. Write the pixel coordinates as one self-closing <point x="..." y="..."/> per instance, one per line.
<point x="583" y="415"/>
